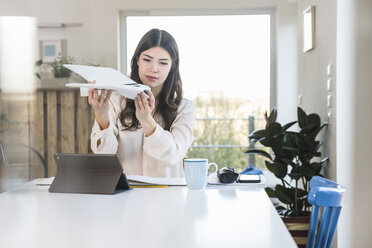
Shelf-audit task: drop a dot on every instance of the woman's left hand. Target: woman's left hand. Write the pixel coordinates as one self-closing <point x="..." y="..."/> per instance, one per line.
<point x="144" y="111"/>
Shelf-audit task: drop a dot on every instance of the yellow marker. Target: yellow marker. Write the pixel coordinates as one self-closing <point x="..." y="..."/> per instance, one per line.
<point x="149" y="186"/>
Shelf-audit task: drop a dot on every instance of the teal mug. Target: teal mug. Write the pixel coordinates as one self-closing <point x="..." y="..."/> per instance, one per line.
<point x="196" y="172"/>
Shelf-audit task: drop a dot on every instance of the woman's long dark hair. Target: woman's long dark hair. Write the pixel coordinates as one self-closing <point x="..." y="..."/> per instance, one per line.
<point x="171" y="94"/>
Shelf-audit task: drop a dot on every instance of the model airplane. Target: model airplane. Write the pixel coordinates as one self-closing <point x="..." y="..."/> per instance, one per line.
<point x="108" y="79"/>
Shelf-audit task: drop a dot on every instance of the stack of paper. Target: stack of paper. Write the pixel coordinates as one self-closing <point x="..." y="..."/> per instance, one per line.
<point x="44" y="181"/>
<point x="106" y="78"/>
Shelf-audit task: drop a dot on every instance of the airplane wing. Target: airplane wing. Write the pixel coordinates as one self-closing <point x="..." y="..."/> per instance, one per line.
<point x="106" y="78"/>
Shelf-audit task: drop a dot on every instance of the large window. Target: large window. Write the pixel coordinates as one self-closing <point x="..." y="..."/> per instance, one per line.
<point x="225" y="67"/>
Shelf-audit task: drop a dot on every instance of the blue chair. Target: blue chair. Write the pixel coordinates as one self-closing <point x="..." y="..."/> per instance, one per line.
<point x="329" y="196"/>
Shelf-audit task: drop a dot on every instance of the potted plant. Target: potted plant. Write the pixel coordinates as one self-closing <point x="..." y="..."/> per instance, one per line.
<point x="292" y="159"/>
<point x="57" y="66"/>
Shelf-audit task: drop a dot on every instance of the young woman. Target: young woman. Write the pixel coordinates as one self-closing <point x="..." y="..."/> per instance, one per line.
<point x="151" y="136"/>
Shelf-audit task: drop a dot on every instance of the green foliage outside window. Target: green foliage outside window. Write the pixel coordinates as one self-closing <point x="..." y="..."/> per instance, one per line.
<point x="224" y="121"/>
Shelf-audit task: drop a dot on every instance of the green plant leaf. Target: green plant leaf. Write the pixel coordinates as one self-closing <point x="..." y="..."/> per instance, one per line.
<point x="303" y="197"/>
<point x="273" y="129"/>
<point x="280" y="208"/>
<point x="279" y="170"/>
<point x="295" y="176"/>
<point x="288" y="148"/>
<point x="285" y="195"/>
<point x="257" y="134"/>
<point x="315" y="154"/>
<point x="289" y="213"/>
<point x="273" y="115"/>
<point x="308" y="128"/>
<point x="301" y="115"/>
<point x="259" y="152"/>
<point x="317" y="145"/>
<point x="316" y="167"/>
<point x="276" y="145"/>
<point x="312" y="136"/>
<point x="303" y="158"/>
<point x="288" y="125"/>
<point x="307" y="171"/>
<point x="300" y="205"/>
<point x="313" y="119"/>
<point x="265" y="141"/>
<point x="282" y="211"/>
<point x="303" y="143"/>
<point x="290" y="139"/>
<point x="270" y="192"/>
<point x="324" y="160"/>
<point x="301" y="194"/>
<point x="39" y="62"/>
<point x="286" y="161"/>
<point x="304" y="161"/>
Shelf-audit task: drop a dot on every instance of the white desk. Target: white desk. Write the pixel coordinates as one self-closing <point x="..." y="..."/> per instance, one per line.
<point x="173" y="217"/>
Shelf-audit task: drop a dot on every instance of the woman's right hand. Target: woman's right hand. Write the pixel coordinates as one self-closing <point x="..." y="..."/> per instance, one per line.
<point x="99" y="103"/>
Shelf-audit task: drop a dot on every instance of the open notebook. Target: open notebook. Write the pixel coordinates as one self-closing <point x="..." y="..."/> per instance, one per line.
<point x="143" y="180"/>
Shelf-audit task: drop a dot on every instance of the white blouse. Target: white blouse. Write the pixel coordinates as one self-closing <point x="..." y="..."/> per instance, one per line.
<point x="158" y="155"/>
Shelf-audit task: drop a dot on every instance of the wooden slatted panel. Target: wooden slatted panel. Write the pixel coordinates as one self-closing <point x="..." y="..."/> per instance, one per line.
<point x="68" y="122"/>
<point x="39" y="127"/>
<point x="2" y="110"/>
<point x="4" y="174"/>
<point x="37" y="134"/>
<point x="18" y="116"/>
<point x="82" y="124"/>
<point x="15" y="110"/>
<point x="40" y="109"/>
<point x="3" y="126"/>
<point x="51" y="131"/>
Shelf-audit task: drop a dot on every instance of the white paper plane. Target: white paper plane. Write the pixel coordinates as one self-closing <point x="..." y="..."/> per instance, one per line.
<point x="106" y="78"/>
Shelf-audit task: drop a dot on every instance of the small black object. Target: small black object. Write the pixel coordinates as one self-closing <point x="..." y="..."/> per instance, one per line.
<point x="227" y="175"/>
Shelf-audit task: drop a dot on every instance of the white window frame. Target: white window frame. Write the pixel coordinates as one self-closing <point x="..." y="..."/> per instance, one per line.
<point x="122" y="34"/>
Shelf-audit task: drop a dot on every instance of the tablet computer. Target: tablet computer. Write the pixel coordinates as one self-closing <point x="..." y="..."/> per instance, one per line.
<point x="89" y="174"/>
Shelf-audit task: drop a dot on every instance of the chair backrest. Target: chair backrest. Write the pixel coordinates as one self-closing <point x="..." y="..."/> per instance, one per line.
<point x="3" y="157"/>
<point x="328" y="196"/>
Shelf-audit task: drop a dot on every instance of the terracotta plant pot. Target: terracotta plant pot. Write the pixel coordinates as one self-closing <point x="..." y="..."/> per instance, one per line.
<point x="298" y="227"/>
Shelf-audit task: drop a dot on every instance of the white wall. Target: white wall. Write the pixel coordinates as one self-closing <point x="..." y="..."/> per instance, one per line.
<point x="286" y="72"/>
<point x="354" y="118"/>
<point x="343" y="39"/>
<point x="94" y="42"/>
<point x="97" y="40"/>
<point x="312" y="73"/>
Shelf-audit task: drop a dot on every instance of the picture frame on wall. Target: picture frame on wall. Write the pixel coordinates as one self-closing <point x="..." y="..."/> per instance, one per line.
<point x="51" y="49"/>
<point x="309" y="28"/>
